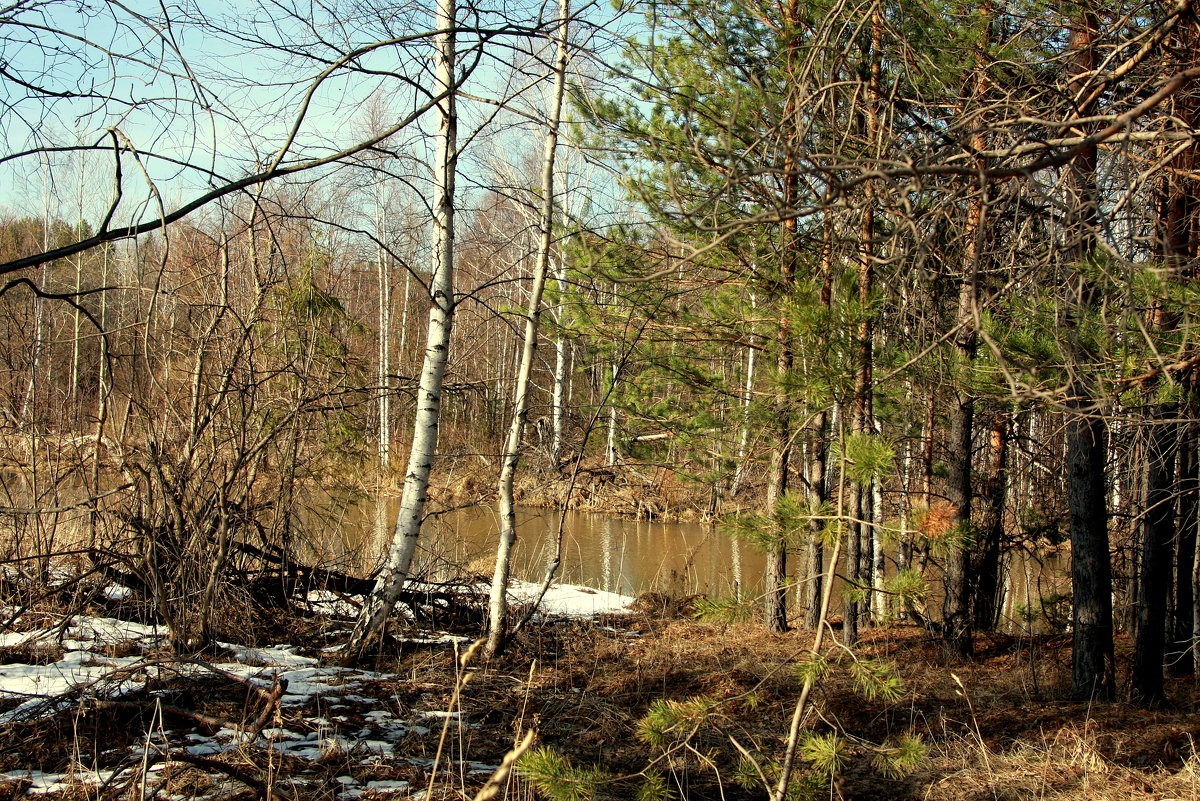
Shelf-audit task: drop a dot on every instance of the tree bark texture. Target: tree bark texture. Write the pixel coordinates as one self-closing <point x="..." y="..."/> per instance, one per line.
<point x="378" y="606"/>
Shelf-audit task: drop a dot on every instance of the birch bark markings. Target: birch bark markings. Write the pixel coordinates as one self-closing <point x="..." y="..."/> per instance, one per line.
<point x="498" y="604"/>
<point x="378" y="606"/>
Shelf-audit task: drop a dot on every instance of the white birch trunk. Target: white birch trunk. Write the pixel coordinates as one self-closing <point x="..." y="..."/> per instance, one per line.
<point x="498" y="606"/>
<point x="378" y="607"/>
<point x="385" y="359"/>
<point x="739" y="471"/>
<point x="559" y="398"/>
<point x="610" y="448"/>
<point x="879" y="605"/>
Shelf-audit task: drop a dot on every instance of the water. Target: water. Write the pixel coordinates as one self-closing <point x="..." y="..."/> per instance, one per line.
<point x="608" y="553"/>
<point x="636" y="556"/>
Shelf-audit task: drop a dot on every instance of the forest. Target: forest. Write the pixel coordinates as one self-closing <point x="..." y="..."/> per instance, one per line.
<point x="895" y="293"/>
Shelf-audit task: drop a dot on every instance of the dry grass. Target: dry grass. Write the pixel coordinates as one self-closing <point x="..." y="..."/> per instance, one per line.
<point x="1004" y="729"/>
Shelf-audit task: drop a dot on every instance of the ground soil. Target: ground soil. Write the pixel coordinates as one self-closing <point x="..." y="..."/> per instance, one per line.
<point x="998" y="727"/>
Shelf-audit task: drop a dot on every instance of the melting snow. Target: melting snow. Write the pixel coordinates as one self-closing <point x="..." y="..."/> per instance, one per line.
<point x="368" y="737"/>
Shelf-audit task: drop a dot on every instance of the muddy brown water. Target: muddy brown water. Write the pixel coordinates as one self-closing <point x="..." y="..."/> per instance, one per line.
<point x="608" y="553"/>
<point x="636" y="556"/>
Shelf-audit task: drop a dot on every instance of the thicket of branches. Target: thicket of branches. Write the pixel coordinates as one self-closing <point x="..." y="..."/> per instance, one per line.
<point x="914" y="279"/>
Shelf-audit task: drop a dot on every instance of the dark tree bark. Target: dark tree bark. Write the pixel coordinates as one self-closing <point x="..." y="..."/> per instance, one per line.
<point x="1179" y="656"/>
<point x="818" y="465"/>
<point x="986" y="603"/>
<point x="1158" y="534"/>
<point x="1175" y="244"/>
<point x="818" y="493"/>
<point x="860" y="422"/>
<point x="1092" y="673"/>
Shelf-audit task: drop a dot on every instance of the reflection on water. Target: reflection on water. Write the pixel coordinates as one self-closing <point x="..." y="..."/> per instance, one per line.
<point x="613" y="554"/>
<point x="636" y="556"/>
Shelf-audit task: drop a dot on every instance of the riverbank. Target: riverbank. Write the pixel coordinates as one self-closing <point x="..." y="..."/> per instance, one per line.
<point x="95" y="708"/>
<point x="627" y="489"/>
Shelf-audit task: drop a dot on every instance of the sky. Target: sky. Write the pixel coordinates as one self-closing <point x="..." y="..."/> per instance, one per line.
<point x="205" y="98"/>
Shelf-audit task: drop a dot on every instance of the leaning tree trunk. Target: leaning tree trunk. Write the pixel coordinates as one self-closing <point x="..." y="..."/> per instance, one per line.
<point x="378" y="606"/>
<point x="498" y="606"/>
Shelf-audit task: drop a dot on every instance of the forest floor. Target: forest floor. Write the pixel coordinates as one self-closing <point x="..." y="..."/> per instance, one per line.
<point x="96" y="708"/>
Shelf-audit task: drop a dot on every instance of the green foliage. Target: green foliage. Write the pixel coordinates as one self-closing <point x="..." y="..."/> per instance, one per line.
<point x="866" y="456"/>
<point x="826" y="752"/>
<point x="556" y="778"/>
<point x="812" y="668"/>
<point x="669" y="722"/>
<point x="804" y="786"/>
<point x="722" y="610"/>
<point x="1054" y="609"/>
<point x="654" y="787"/>
<point x="876" y="680"/>
<point x="788" y="526"/>
<point x="900" y="756"/>
<point x="908" y="586"/>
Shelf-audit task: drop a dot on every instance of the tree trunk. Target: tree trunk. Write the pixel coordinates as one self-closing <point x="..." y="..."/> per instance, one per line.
<point x="739" y="469"/>
<point x="498" y="605"/>
<point x="986" y="605"/>
<point x="1092" y="671"/>
<point x="1154" y="578"/>
<point x="378" y="607"/>
<point x="1180" y="658"/>
<point x="860" y="418"/>
<point x="559" y="399"/>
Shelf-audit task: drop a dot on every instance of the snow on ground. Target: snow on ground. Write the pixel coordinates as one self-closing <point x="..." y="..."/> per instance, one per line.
<point x="561" y="600"/>
<point x="568" y="600"/>
<point x="337" y="725"/>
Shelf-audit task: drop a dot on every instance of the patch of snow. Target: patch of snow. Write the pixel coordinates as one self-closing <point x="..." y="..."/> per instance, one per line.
<point x="279" y="656"/>
<point x="570" y="600"/>
<point x="438" y="714"/>
<point x="116" y="592"/>
<point x="42" y="783"/>
<point x="443" y="639"/>
<point x="387" y="786"/>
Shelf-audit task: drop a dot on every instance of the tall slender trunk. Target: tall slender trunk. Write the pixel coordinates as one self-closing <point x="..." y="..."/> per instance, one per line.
<point x="1180" y="656"/>
<point x="1092" y="670"/>
<point x="558" y="410"/>
<point x="498" y="605"/>
<point x="860" y="410"/>
<point x="987" y="589"/>
<point x="1177" y="243"/>
<point x="956" y="610"/>
<point x="385" y="360"/>
<point x="610" y="445"/>
<point x="818" y="490"/>
<point x="378" y="606"/>
<point x="880" y="607"/>
<point x="1158" y="532"/>
<point x="739" y="470"/>
<point x="818" y="463"/>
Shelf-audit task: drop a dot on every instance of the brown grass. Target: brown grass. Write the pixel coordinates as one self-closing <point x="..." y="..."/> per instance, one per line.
<point x="1004" y="729"/>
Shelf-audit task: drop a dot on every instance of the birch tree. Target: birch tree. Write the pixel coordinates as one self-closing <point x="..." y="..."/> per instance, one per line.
<point x="498" y="603"/>
<point x="379" y="604"/>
